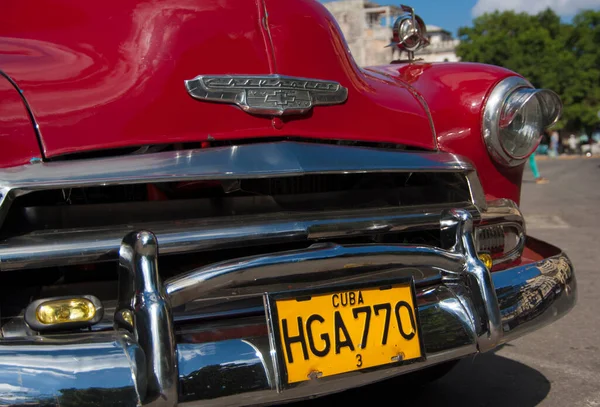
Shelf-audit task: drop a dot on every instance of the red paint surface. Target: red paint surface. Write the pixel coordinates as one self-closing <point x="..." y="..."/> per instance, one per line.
<point x="109" y="74"/>
<point x="101" y="75"/>
<point x="18" y="142"/>
<point x="455" y="94"/>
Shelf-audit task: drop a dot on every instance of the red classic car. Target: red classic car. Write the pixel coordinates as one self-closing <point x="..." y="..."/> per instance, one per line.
<point x="207" y="202"/>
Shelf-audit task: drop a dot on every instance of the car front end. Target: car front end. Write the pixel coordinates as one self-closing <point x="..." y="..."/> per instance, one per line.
<point x="234" y="232"/>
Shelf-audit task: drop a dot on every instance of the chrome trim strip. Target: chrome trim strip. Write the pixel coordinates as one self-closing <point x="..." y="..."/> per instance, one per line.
<point x="77" y="246"/>
<point x="261" y="160"/>
<point x="476" y="190"/>
<point x="34" y="121"/>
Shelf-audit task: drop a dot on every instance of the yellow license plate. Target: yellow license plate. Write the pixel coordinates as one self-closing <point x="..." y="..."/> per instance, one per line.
<point x="328" y="333"/>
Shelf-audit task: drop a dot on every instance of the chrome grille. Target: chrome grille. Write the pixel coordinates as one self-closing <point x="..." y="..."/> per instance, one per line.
<point x="490" y="239"/>
<point x="272" y="193"/>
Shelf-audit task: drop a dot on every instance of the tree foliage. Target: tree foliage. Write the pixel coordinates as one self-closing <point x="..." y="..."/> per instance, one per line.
<point x="549" y="53"/>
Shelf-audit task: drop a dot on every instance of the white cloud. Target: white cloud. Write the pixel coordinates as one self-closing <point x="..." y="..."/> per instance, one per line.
<point x="560" y="7"/>
<point x="8" y="388"/>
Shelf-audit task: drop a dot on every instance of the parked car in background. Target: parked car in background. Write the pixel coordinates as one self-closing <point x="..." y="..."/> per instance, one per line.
<point x="207" y="202"/>
<point x="591" y="149"/>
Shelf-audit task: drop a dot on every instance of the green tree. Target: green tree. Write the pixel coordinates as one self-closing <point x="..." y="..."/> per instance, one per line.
<point x="549" y="53"/>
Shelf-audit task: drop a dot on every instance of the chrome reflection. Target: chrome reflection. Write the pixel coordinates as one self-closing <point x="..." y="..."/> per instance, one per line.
<point x="219" y="369"/>
<point x="240" y="372"/>
<point x="99" y="369"/>
<point x="537" y="295"/>
<point x="504" y="214"/>
<point x="457" y="236"/>
<point x="315" y="266"/>
<point x="141" y="295"/>
<point x="80" y="246"/>
<point x="245" y="161"/>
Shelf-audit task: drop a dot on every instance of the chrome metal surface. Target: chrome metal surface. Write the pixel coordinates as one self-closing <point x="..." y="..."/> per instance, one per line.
<point x="83" y="370"/>
<point x="451" y="310"/>
<point x="457" y="236"/>
<point x="79" y="246"/>
<point x="448" y="334"/>
<point x="409" y="32"/>
<point x="506" y="213"/>
<point x="477" y="194"/>
<point x="449" y="329"/>
<point x="491" y="125"/>
<point x="314" y="266"/>
<point x="328" y="385"/>
<point x="262" y="160"/>
<point x="141" y="294"/>
<point x="503" y="211"/>
<point x="243" y="364"/>
<point x="536" y="294"/>
<point x="488" y="237"/>
<point x="491" y="118"/>
<point x="267" y="94"/>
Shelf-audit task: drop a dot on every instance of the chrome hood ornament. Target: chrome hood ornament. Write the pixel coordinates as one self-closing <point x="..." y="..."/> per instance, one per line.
<point x="267" y="94"/>
<point x="409" y="32"/>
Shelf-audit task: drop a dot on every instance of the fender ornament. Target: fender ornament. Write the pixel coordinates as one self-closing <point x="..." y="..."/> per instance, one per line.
<point x="273" y="95"/>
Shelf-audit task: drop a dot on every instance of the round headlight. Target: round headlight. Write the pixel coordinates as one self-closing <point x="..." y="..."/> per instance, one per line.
<point x="515" y="117"/>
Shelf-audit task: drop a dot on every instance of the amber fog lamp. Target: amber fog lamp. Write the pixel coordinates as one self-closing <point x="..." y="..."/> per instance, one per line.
<point x="515" y="117"/>
<point x="64" y="313"/>
<point x="69" y="310"/>
<point x="486" y="259"/>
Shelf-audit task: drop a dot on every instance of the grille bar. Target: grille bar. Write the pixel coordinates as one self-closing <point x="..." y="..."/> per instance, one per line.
<point x="79" y="246"/>
<point x="249" y="161"/>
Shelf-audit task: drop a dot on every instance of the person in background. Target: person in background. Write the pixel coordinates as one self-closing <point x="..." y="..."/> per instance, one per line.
<point x="554" y="139"/>
<point x="536" y="172"/>
<point x="573" y="144"/>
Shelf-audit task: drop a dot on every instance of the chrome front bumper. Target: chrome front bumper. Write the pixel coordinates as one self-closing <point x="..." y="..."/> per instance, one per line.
<point x="463" y="308"/>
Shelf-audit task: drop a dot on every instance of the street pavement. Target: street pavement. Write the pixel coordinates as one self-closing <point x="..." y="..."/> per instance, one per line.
<point x="558" y="365"/>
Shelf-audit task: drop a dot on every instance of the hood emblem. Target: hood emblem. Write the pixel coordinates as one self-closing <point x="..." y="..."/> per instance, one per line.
<point x="267" y="94"/>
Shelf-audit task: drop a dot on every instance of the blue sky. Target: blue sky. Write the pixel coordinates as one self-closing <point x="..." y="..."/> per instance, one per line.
<point x="448" y="14"/>
<point x="451" y="14"/>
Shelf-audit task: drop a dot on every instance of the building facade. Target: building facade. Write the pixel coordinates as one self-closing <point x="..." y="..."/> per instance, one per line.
<point x="442" y="46"/>
<point x="367" y="27"/>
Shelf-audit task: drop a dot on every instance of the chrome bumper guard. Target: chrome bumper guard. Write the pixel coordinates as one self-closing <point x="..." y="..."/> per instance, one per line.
<point x="463" y="308"/>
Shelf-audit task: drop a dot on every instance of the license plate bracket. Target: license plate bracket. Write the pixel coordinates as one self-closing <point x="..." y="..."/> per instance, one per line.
<point x="326" y="331"/>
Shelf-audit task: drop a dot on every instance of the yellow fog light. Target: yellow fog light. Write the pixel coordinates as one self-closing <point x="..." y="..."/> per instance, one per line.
<point x="127" y="316"/>
<point x="487" y="261"/>
<point x="64" y="312"/>
<point x="70" y="310"/>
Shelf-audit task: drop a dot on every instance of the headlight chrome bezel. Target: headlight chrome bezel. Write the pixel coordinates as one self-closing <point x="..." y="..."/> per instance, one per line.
<point x="550" y="108"/>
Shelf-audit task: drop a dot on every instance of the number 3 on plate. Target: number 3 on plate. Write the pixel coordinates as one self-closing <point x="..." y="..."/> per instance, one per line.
<point x="358" y="360"/>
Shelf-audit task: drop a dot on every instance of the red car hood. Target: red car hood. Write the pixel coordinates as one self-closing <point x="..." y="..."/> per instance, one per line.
<point x="100" y="75"/>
